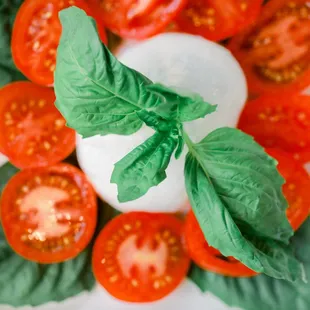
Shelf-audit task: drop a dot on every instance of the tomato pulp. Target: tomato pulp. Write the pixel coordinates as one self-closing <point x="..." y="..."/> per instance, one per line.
<point x="296" y="187"/>
<point x="32" y="131"/>
<point x="139" y="257"/>
<point x="36" y="36"/>
<point x="137" y="19"/>
<point x="275" y="51"/>
<point x="49" y="214"/>
<point x="280" y="121"/>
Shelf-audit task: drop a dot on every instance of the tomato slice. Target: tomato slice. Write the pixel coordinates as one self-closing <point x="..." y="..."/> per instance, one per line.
<point x="296" y="187"/>
<point x="36" y="36"/>
<point x="217" y="21"/>
<point x="49" y="214"/>
<point x="279" y="121"/>
<point x="207" y="257"/>
<point x="137" y="19"/>
<point x="32" y="131"/>
<point x="275" y="52"/>
<point x="139" y="257"/>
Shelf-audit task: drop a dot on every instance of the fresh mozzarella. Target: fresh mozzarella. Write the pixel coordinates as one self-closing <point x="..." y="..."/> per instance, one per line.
<point x="181" y="61"/>
<point x="3" y="159"/>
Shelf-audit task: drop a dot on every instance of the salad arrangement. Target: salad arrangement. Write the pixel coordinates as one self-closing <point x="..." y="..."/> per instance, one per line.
<point x="245" y="203"/>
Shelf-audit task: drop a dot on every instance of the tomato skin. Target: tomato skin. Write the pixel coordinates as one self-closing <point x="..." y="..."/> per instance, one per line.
<point x="139" y="256"/>
<point x="155" y="18"/>
<point x="32" y="131"/>
<point x="36" y="34"/>
<point x="207" y="257"/>
<point x="14" y="226"/>
<point x="239" y="46"/>
<point x="215" y="21"/>
<point x="279" y="121"/>
<point x="296" y="187"/>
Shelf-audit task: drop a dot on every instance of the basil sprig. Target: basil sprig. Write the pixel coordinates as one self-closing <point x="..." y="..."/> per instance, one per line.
<point x="233" y="185"/>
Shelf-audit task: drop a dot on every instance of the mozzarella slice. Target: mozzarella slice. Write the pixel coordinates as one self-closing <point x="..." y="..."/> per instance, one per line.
<point x="183" y="61"/>
<point x="3" y="159"/>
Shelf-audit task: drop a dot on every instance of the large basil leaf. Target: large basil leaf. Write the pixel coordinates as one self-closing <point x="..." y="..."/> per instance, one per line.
<point x="236" y="194"/>
<point x="27" y="283"/>
<point x="184" y="108"/>
<point x="145" y="166"/>
<point x="94" y="91"/>
<point x="262" y="292"/>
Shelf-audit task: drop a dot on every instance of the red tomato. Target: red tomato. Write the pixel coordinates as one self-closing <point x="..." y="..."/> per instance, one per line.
<point x="296" y="188"/>
<point x="139" y="257"/>
<point x="275" y="52"/>
<point x="32" y="131"/>
<point x="36" y="36"/>
<point x="49" y="214"/>
<point x="216" y="20"/>
<point x="209" y="258"/>
<point x="137" y="19"/>
<point x="279" y="121"/>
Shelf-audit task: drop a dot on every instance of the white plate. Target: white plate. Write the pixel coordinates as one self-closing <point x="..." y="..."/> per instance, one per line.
<point x="186" y="297"/>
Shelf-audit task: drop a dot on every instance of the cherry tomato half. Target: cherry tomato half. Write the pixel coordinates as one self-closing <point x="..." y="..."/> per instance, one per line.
<point x="137" y="19"/>
<point x="36" y="36"/>
<point x="139" y="257"/>
<point x="32" y="131"/>
<point x="275" y="52"/>
<point x="216" y="20"/>
<point x="296" y="188"/>
<point x="207" y="257"/>
<point x="279" y="121"/>
<point x="49" y="214"/>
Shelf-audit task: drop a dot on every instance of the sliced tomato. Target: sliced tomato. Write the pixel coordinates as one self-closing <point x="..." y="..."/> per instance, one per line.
<point x="214" y="20"/>
<point x="137" y="19"/>
<point x="296" y="188"/>
<point x="32" y="131"/>
<point x="275" y="51"/>
<point x="36" y="36"/>
<point x="207" y="257"/>
<point x="279" y="121"/>
<point x="139" y="257"/>
<point x="49" y="214"/>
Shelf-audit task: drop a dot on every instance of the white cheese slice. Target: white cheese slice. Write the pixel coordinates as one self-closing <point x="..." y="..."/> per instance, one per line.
<point x="176" y="60"/>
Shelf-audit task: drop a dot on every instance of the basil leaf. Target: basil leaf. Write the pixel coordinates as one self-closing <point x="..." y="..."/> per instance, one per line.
<point x="262" y="292"/>
<point x="95" y="92"/>
<point x="145" y="166"/>
<point x="236" y="193"/>
<point x="176" y="106"/>
<point x="6" y="172"/>
<point x="8" y="70"/>
<point x="155" y="121"/>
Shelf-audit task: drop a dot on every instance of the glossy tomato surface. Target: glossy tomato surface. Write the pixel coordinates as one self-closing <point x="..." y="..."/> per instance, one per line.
<point x="275" y="52"/>
<point x="208" y="257"/>
<point x="49" y="214"/>
<point x="139" y="257"/>
<point x="215" y="19"/>
<point x="296" y="187"/>
<point x="36" y="36"/>
<point x="32" y="131"/>
<point x="137" y="19"/>
<point x="279" y="121"/>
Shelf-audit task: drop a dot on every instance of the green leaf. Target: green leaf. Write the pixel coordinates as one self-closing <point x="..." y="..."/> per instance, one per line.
<point x="262" y="292"/>
<point x="145" y="166"/>
<point x="236" y="193"/>
<point x="96" y="93"/>
<point x="155" y="121"/>
<point x="27" y="283"/>
<point x="8" y="70"/>
<point x="184" y="108"/>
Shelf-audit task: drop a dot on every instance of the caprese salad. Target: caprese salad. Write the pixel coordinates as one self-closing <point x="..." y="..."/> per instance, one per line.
<point x="197" y="149"/>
